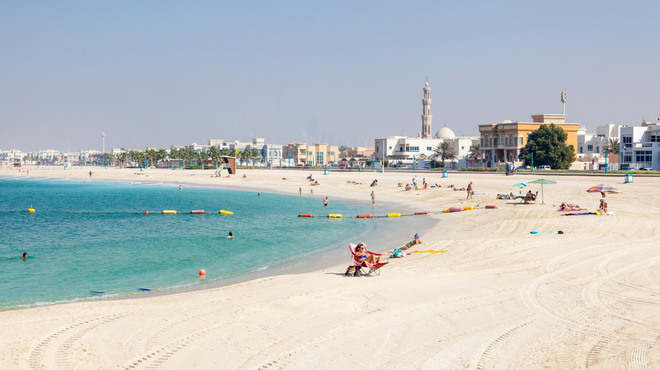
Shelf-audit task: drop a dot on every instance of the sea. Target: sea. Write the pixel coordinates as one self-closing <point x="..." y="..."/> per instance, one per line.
<point x="90" y="240"/>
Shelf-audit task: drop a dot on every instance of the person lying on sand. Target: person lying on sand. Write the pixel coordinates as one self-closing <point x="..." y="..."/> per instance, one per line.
<point x="416" y="240"/>
<point x="457" y="189"/>
<point x="315" y="183"/>
<point x="566" y="206"/>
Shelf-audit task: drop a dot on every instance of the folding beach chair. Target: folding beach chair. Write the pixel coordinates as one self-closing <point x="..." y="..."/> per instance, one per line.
<point x="373" y="268"/>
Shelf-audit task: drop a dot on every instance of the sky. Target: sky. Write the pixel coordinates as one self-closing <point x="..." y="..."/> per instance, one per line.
<point x="162" y="73"/>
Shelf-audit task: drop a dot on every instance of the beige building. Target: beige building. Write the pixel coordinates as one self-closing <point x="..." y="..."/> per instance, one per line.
<point x="317" y="154"/>
<point x="501" y="142"/>
<point x="359" y="151"/>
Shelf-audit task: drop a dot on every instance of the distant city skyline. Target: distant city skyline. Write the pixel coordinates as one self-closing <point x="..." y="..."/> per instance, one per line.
<point x="181" y="73"/>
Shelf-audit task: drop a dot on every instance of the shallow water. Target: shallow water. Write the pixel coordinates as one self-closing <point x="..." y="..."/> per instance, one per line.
<point x="93" y="236"/>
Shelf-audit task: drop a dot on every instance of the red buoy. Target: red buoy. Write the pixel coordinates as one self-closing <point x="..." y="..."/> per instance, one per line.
<point x="491" y="207"/>
<point x="305" y="215"/>
<point x="365" y="216"/>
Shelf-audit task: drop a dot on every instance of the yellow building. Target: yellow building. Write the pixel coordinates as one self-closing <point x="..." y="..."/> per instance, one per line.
<point x="317" y="154"/>
<point x="501" y="142"/>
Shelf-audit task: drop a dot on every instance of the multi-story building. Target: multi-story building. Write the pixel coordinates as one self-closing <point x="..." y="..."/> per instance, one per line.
<point x="501" y="142"/>
<point x="317" y="154"/>
<point x="591" y="147"/>
<point x="359" y="151"/>
<point x="640" y="146"/>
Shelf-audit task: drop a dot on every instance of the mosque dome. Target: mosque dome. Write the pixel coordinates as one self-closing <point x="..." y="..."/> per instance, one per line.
<point x="445" y="133"/>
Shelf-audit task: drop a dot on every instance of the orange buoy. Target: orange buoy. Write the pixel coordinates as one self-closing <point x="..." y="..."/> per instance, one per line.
<point x="422" y="212"/>
<point x="491" y="207"/>
<point x="305" y="215"/>
<point x="365" y="216"/>
<point x="198" y="212"/>
<point x="202" y="272"/>
<point x="145" y="213"/>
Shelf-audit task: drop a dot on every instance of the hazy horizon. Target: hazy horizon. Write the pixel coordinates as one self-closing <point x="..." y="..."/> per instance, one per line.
<point x="162" y="74"/>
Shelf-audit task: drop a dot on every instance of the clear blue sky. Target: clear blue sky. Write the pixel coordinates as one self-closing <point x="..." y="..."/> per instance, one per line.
<point x="156" y="73"/>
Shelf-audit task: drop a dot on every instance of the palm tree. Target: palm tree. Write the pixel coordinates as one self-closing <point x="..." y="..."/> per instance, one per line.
<point x="613" y="146"/>
<point x="475" y="153"/>
<point x="122" y="158"/>
<point x="445" y="151"/>
<point x="342" y="149"/>
<point x="109" y="158"/>
<point x="215" y="155"/>
<point x="161" y="154"/>
<point x="256" y="155"/>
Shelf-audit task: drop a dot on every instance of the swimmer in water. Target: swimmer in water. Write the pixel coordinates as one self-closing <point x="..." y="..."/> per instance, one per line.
<point x="325" y="202"/>
<point x="25" y="256"/>
<point x="180" y="187"/>
<point x="231" y="236"/>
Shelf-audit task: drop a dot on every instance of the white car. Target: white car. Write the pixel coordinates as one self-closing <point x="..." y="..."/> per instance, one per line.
<point x="543" y="168"/>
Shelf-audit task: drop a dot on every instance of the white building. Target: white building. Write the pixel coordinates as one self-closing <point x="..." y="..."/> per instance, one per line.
<point x="640" y="146"/>
<point x="592" y="146"/>
<point x="405" y="150"/>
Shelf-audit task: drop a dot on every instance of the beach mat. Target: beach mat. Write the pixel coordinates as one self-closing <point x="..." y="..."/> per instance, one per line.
<point x="431" y="251"/>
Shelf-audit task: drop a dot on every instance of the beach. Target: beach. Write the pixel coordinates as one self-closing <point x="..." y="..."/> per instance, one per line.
<point x="497" y="297"/>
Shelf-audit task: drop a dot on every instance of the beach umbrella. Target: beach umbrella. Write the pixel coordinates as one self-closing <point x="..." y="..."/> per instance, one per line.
<point x="543" y="182"/>
<point x="520" y="185"/>
<point x="603" y="189"/>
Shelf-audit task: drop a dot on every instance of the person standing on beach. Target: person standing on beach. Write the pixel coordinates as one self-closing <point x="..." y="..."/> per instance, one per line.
<point x="300" y="191"/>
<point x="90" y="174"/>
<point x="311" y="191"/>
<point x="469" y="191"/>
<point x="373" y="198"/>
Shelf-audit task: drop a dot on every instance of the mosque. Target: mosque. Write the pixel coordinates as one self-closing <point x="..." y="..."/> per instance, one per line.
<point x="406" y="150"/>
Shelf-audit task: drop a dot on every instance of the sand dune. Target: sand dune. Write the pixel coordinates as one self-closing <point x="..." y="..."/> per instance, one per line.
<point x="498" y="297"/>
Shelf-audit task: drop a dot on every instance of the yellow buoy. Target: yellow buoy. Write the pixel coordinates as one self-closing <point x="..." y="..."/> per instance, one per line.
<point x="446" y="211"/>
<point x="332" y="215"/>
<point x="31" y="210"/>
<point x="470" y="208"/>
<point x="226" y="212"/>
<point x="394" y="215"/>
<point x="169" y="212"/>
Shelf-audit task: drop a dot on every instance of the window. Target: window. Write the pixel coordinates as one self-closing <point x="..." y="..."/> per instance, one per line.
<point x="590" y="148"/>
<point x="482" y="141"/>
<point x="522" y="141"/>
<point x="429" y="148"/>
<point x="331" y="153"/>
<point x="515" y="141"/>
<point x="581" y="149"/>
<point x="655" y="138"/>
<point x="506" y="140"/>
<point x="510" y="139"/>
<point x="644" y="156"/>
<point x="500" y="139"/>
<point x="401" y="149"/>
<point x="390" y="147"/>
<point x="309" y="153"/>
<point x="319" y="157"/>
<point x="627" y="158"/>
<point x="627" y="141"/>
<point x="597" y="149"/>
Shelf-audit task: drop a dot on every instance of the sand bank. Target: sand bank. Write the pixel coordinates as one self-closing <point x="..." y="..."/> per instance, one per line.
<point x="498" y="298"/>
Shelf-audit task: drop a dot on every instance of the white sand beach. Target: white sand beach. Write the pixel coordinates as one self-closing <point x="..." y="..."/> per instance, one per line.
<point x="498" y="298"/>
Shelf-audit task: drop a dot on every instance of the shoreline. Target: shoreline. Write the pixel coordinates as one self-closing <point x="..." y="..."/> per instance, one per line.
<point x="316" y="261"/>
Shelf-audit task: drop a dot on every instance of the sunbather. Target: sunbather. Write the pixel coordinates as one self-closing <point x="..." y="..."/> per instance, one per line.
<point x="415" y="241"/>
<point x="361" y="255"/>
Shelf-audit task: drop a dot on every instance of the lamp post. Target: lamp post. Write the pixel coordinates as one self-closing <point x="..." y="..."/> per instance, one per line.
<point x="532" y="162"/>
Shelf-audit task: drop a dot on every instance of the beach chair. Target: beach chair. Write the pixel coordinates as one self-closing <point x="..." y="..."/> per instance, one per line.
<point x="373" y="268"/>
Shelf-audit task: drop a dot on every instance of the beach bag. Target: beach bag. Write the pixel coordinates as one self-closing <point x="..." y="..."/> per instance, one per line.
<point x="397" y="253"/>
<point x="350" y="271"/>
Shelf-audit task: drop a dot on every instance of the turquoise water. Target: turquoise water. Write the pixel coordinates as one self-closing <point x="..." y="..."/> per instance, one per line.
<point x="113" y="248"/>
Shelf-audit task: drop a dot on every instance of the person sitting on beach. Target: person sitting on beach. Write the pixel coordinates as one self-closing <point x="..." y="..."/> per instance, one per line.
<point x="374" y="183"/>
<point x="25" y="256"/>
<point x="245" y="176"/>
<point x="400" y="185"/>
<point x="415" y="241"/>
<point x="361" y="255"/>
<point x="408" y="187"/>
<point x="231" y="236"/>
<point x="310" y="178"/>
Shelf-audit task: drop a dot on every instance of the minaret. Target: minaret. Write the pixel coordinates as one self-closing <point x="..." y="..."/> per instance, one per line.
<point x="103" y="136"/>
<point x="426" y="113"/>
